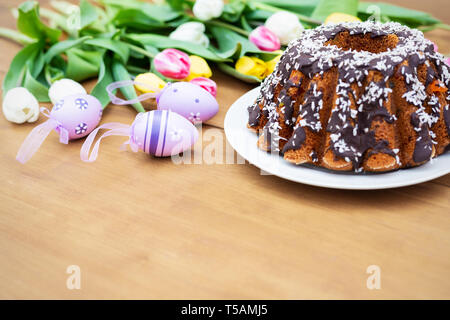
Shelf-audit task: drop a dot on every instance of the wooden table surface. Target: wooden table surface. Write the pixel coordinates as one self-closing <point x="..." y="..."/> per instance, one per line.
<point x="141" y="227"/>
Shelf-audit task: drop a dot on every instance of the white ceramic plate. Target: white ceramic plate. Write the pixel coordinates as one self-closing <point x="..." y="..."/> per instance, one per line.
<point x="244" y="142"/>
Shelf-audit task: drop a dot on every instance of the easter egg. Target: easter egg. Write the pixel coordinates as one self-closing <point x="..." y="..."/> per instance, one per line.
<point x="162" y="133"/>
<point x="189" y="100"/>
<point x="79" y="114"/>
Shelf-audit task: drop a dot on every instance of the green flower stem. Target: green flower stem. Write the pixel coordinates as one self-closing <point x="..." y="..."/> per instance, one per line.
<point x="227" y="26"/>
<point x="15" y="36"/>
<point x="140" y="50"/>
<point x="266" y="7"/>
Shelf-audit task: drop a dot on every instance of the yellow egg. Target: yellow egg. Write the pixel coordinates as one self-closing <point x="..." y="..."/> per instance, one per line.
<point x="199" y="68"/>
<point x="251" y="66"/>
<point x="340" y="17"/>
<point x="148" y="82"/>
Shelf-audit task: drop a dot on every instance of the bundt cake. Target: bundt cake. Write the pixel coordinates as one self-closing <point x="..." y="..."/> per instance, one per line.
<point x="360" y="96"/>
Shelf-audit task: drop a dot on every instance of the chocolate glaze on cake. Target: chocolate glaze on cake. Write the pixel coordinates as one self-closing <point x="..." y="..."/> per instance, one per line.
<point x="358" y="96"/>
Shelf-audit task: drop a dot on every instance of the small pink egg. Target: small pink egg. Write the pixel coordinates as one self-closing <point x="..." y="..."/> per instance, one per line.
<point x="189" y="100"/>
<point x="162" y="133"/>
<point x="79" y="114"/>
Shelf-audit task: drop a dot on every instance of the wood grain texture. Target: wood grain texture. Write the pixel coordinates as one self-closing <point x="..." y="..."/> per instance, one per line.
<point x="141" y="227"/>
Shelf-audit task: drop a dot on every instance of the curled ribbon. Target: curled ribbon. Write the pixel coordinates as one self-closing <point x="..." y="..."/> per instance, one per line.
<point x="121" y="84"/>
<point x="115" y="129"/>
<point x="36" y="137"/>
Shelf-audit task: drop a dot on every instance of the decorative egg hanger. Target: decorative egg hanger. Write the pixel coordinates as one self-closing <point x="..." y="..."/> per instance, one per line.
<point x="72" y="117"/>
<point x="190" y="100"/>
<point x="161" y="133"/>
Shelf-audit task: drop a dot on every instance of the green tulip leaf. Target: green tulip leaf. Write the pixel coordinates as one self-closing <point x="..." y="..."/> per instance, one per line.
<point x="233" y="10"/>
<point x="327" y="7"/>
<point x="39" y="90"/>
<point x="410" y="17"/>
<point x="63" y="46"/>
<point x="17" y="69"/>
<point x="105" y="78"/>
<point x="158" y="12"/>
<point x="88" y="14"/>
<point x="29" y="23"/>
<point x="119" y="48"/>
<point x="162" y="42"/>
<point x="82" y="65"/>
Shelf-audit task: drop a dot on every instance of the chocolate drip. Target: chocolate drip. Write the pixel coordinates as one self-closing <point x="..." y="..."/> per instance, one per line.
<point x="296" y="141"/>
<point x="309" y="111"/>
<point x="423" y="148"/>
<point x="254" y="114"/>
<point x="382" y="146"/>
<point x="431" y="75"/>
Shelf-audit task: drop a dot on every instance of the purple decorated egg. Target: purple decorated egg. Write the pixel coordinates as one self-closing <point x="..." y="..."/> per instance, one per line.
<point x="79" y="114"/>
<point x="163" y="133"/>
<point x="189" y="100"/>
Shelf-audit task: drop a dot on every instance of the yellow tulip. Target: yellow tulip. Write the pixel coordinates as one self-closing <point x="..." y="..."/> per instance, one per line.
<point x="199" y="68"/>
<point x="148" y="82"/>
<point x="251" y="66"/>
<point x="271" y="64"/>
<point x="340" y="17"/>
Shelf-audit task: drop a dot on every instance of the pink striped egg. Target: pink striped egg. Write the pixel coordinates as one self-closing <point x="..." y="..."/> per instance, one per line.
<point x="163" y="133"/>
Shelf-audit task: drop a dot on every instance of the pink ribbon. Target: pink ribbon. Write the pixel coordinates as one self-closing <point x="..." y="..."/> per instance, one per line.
<point x="36" y="137"/>
<point x="120" y="84"/>
<point x="115" y="129"/>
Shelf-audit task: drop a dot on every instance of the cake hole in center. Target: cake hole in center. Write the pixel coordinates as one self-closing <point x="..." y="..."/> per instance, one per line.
<point x="363" y="42"/>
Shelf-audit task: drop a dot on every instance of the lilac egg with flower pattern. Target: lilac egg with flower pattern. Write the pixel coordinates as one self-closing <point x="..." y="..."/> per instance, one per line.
<point x="79" y="114"/>
<point x="189" y="100"/>
<point x="162" y="133"/>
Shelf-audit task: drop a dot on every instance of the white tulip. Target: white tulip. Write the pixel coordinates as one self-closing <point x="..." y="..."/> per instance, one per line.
<point x="19" y="106"/>
<point x="192" y="32"/>
<point x="64" y="88"/>
<point x="285" y="25"/>
<point x="208" y="9"/>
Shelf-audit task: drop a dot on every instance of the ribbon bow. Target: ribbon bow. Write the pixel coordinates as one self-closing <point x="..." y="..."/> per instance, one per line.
<point x="120" y="84"/>
<point x="34" y="140"/>
<point x="115" y="129"/>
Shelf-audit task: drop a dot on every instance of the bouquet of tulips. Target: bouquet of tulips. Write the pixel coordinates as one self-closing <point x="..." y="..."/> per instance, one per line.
<point x="173" y="40"/>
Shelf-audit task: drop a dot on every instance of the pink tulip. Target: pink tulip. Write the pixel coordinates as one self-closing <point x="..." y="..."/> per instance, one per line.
<point x="435" y="47"/>
<point x="173" y="63"/>
<point x="207" y="84"/>
<point x="447" y="61"/>
<point x="264" y="39"/>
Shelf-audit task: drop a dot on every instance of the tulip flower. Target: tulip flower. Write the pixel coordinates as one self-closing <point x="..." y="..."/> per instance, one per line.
<point x="271" y="64"/>
<point x="172" y="63"/>
<point x="208" y="9"/>
<point x="19" y="106"/>
<point x="192" y="32"/>
<point x="207" y="84"/>
<point x="149" y="83"/>
<point x="251" y="66"/>
<point x="337" y="17"/>
<point x="264" y="39"/>
<point x="447" y="61"/>
<point x="64" y="88"/>
<point x="285" y="25"/>
<point x="199" y="68"/>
